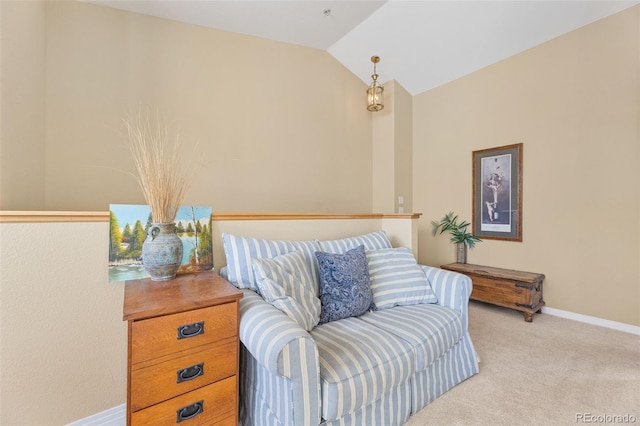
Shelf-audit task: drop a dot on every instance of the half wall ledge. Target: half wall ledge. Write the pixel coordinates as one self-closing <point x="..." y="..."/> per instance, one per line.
<point x="8" y="216"/>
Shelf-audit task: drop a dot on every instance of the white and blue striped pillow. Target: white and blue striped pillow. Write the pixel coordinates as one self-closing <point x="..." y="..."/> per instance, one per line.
<point x="287" y="283"/>
<point x="397" y="279"/>
<point x="240" y="250"/>
<point x="371" y="241"/>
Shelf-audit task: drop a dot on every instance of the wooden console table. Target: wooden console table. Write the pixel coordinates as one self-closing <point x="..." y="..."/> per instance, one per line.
<point x="517" y="290"/>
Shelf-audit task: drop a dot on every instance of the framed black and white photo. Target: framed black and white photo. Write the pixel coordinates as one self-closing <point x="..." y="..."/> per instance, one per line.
<point x="497" y="193"/>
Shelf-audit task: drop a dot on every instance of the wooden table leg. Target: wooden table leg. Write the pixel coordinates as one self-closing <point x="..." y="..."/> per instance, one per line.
<point x="528" y="317"/>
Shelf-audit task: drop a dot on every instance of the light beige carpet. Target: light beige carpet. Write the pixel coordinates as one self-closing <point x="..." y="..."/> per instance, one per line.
<point x="553" y="371"/>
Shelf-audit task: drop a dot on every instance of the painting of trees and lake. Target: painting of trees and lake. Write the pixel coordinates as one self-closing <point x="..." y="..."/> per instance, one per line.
<point x="128" y="225"/>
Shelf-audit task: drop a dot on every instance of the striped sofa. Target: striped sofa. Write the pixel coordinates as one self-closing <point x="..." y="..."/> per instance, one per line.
<point x="375" y="369"/>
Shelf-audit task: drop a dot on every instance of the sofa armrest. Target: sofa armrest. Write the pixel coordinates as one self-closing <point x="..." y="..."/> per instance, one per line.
<point x="272" y="336"/>
<point x="284" y="349"/>
<point x="451" y="288"/>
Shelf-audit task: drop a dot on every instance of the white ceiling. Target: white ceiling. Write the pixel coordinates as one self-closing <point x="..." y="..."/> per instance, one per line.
<point x="422" y="43"/>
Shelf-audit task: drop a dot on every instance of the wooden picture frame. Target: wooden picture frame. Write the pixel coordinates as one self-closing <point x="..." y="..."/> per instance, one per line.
<point x="497" y="193"/>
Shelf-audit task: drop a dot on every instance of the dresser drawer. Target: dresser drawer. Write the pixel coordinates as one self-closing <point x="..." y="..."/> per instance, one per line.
<point x="209" y="405"/>
<point x="198" y="367"/>
<point x="156" y="337"/>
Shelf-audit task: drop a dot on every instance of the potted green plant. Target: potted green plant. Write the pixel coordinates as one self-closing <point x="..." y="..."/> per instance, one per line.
<point x="459" y="234"/>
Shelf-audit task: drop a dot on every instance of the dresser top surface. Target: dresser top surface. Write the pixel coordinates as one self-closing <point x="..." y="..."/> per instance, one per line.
<point x="145" y="298"/>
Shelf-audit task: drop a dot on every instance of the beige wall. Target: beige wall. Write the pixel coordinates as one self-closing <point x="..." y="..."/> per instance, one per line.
<point x="403" y="153"/>
<point x="22" y="105"/>
<point x="392" y="151"/>
<point x="64" y="344"/>
<point x="574" y="104"/>
<point x="268" y="126"/>
<point x="383" y="145"/>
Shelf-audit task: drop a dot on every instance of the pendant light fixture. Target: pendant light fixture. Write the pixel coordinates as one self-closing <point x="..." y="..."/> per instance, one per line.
<point x="374" y="92"/>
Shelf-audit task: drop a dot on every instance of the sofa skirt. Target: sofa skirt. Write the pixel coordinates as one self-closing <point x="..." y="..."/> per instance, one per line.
<point x="393" y="409"/>
<point x="458" y="364"/>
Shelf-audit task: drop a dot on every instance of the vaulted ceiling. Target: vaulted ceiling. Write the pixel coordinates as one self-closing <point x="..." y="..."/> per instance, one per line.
<point x="422" y="43"/>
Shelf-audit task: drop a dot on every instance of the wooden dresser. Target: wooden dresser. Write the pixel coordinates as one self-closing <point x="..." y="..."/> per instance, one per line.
<point x="182" y="351"/>
<point x="504" y="287"/>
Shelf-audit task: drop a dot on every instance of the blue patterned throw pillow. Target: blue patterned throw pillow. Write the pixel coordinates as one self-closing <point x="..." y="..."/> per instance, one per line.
<point x="344" y="284"/>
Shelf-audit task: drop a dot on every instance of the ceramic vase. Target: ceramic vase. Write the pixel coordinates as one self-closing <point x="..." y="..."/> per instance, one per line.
<point x="162" y="251"/>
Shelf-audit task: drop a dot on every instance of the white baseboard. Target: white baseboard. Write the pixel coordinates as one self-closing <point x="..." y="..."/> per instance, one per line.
<point x="620" y="326"/>
<point x="116" y="416"/>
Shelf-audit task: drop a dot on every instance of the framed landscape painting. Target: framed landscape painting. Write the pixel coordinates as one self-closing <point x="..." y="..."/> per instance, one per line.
<point x="497" y="193"/>
<point x="128" y="224"/>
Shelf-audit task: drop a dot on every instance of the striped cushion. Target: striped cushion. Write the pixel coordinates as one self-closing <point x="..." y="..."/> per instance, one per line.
<point x="286" y="281"/>
<point x="240" y="250"/>
<point x="430" y="329"/>
<point x="359" y="363"/>
<point x="371" y="241"/>
<point x="396" y="279"/>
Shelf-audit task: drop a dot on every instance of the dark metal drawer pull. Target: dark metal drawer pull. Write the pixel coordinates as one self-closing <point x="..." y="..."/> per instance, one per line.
<point x="190" y="373"/>
<point x="190" y="411"/>
<point x="190" y="330"/>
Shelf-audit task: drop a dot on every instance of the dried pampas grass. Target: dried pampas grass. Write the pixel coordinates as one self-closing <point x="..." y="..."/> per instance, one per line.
<point x="156" y="160"/>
